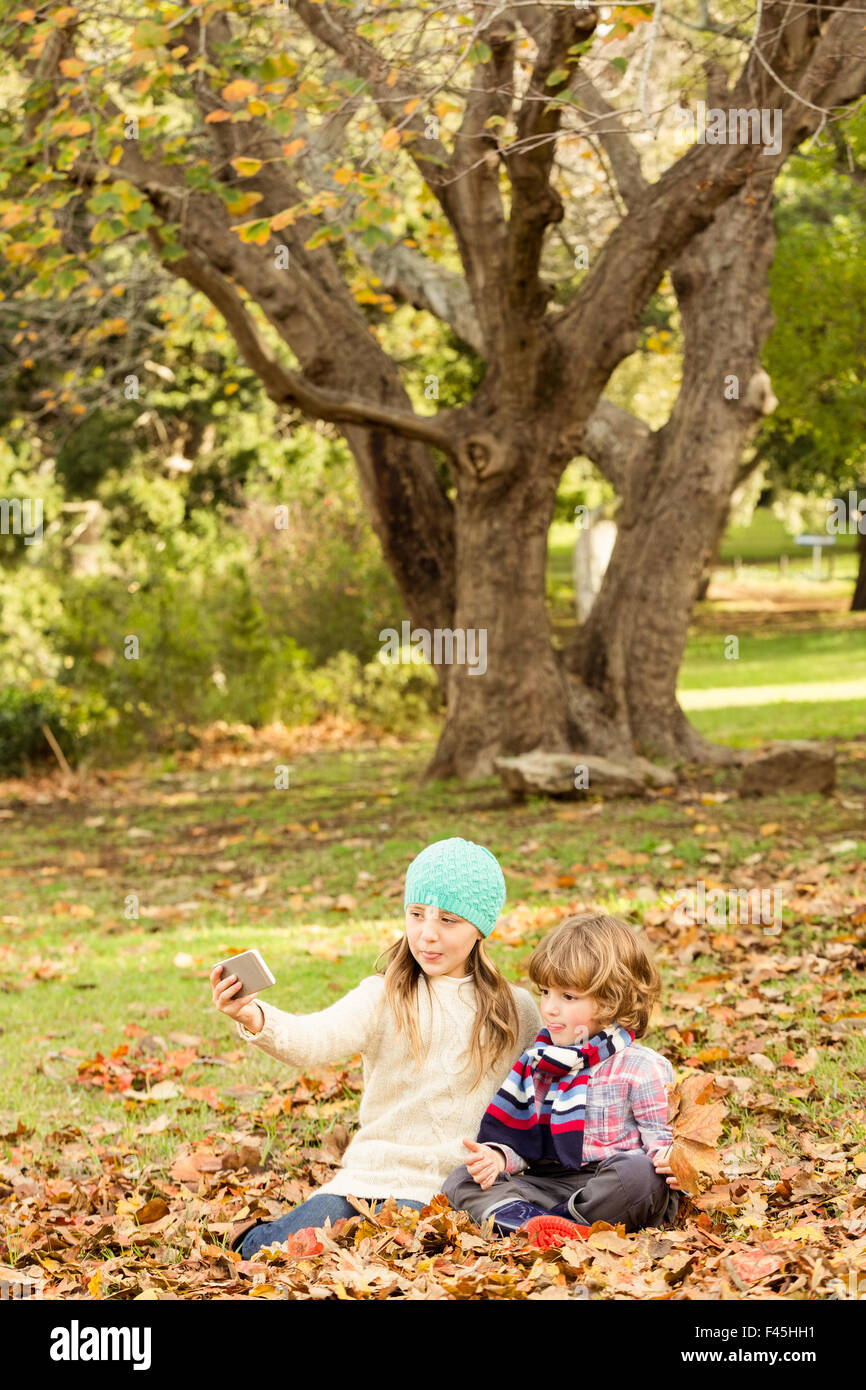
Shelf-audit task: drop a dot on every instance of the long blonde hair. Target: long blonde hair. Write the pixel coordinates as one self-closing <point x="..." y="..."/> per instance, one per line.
<point x="602" y="956"/>
<point x="496" y="1028"/>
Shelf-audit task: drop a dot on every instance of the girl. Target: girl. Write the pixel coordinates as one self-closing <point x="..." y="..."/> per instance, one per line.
<point x="436" y="1030"/>
<point x="578" y="1132"/>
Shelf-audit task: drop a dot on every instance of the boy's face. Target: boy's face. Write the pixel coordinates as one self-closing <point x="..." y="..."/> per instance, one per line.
<point x="441" y="942"/>
<point x="569" y="1017"/>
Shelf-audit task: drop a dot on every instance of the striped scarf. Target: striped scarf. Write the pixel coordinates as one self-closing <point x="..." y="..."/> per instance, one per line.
<point x="510" y="1117"/>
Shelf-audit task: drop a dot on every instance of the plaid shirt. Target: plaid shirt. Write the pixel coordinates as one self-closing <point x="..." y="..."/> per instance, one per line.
<point x="626" y="1106"/>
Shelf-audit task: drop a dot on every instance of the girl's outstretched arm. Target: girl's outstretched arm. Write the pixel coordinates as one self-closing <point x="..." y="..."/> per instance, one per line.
<point x="341" y="1030"/>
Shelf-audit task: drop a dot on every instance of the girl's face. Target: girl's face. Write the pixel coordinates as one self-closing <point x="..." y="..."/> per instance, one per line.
<point x="441" y="942"/>
<point x="570" y="1017"/>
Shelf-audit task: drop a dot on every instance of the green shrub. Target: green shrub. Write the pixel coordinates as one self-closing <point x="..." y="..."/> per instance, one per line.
<point x="183" y="650"/>
<point x="23" y="712"/>
<point x="394" y="697"/>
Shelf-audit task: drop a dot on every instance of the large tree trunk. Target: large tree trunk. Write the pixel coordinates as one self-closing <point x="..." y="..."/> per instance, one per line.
<point x="858" y="602"/>
<point x="677" y="491"/>
<point x="404" y="499"/>
<point x="520" y="701"/>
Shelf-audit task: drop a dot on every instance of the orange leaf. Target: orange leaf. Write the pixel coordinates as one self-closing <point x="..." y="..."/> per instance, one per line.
<point x="702" y="1123"/>
<point x="154" y="1210"/>
<point x="688" y="1160"/>
<point x="753" y="1265"/>
<point x="213" y="116"/>
<point x="710" y="1054"/>
<point x="293" y="146"/>
<point x="283" y="219"/>
<point x="390" y="139"/>
<point x="239" y="90"/>
<point x="243" y="202"/>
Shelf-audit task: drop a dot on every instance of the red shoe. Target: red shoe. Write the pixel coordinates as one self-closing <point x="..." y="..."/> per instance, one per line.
<point x="545" y="1231"/>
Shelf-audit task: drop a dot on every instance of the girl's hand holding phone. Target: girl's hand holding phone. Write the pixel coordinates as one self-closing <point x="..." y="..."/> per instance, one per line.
<point x="484" y="1163"/>
<point x="225" y="999"/>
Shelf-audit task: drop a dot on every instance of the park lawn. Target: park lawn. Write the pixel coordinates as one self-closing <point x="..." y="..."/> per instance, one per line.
<point x="766" y="538"/>
<point x="749" y="726"/>
<point x="763" y="542"/>
<point x="227" y="863"/>
<point x="775" y="655"/>
<point x="775" y="646"/>
<point x="760" y="546"/>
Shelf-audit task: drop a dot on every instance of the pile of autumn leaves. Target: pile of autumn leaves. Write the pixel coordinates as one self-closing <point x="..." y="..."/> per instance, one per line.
<point x="72" y="1241"/>
<point x="439" y="1252"/>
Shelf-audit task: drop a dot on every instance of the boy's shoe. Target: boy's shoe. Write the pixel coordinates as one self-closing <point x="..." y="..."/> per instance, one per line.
<point x="543" y="1227"/>
<point x="512" y="1216"/>
<point x="547" y="1230"/>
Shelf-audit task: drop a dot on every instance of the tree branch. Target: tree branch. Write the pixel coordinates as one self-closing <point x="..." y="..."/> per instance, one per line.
<point x="287" y="387"/>
<point x="613" y="137"/>
<point x="409" y="276"/>
<point x="534" y="203"/>
<point x="611" y="438"/>
<point x="600" y="325"/>
<point x="466" y="182"/>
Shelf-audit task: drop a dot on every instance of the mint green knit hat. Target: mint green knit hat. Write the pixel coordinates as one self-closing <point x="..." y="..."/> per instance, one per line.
<point x="458" y="876"/>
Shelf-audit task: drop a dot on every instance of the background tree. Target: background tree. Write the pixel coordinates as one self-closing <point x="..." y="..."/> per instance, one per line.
<point x="335" y="130"/>
<point x="815" y="442"/>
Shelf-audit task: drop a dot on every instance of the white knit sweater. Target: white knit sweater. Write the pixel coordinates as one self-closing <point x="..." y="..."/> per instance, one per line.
<point x="412" y="1117"/>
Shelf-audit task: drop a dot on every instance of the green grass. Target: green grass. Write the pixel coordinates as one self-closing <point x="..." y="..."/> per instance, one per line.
<point x="766" y="538"/>
<point x="773" y="657"/>
<point x="350" y="813"/>
<point x="775" y="647"/>
<point x="746" y="726"/>
<point x="759" y="546"/>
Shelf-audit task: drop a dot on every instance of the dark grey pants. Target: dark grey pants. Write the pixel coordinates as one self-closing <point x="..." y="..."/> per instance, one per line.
<point x="623" y="1188"/>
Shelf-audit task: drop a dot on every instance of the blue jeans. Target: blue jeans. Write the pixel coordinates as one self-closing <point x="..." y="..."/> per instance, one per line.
<point x="314" y="1212"/>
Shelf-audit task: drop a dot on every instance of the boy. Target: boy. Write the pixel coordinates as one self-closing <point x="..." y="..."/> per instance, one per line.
<point x="578" y="1131"/>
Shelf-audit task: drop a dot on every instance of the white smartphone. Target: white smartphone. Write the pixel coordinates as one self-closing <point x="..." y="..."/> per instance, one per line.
<point x="251" y="970"/>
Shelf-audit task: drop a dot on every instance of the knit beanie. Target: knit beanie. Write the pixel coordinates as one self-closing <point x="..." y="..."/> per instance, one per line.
<point x="458" y="876"/>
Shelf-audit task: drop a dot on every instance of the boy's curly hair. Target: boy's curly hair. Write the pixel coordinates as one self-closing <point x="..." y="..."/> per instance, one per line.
<point x="602" y="956"/>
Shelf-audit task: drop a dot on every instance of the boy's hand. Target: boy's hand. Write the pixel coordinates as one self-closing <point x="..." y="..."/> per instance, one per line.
<point x="662" y="1165"/>
<point x="484" y="1163"/>
<point x="248" y="1013"/>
